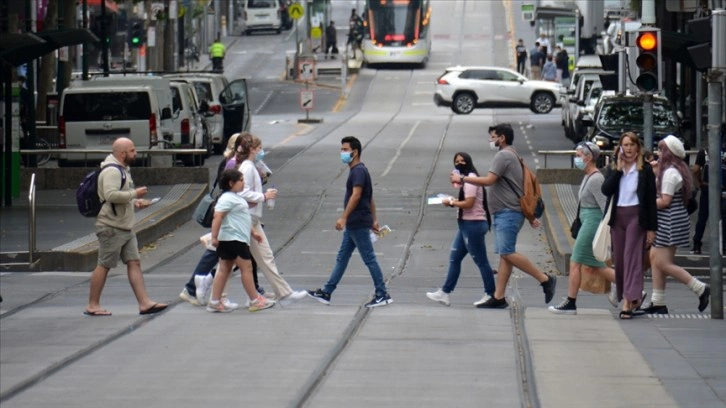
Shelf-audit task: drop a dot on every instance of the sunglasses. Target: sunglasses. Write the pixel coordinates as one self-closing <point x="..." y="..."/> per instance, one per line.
<point x="588" y="148"/>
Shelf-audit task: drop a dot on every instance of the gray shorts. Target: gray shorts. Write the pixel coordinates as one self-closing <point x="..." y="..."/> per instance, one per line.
<point x="114" y="242"/>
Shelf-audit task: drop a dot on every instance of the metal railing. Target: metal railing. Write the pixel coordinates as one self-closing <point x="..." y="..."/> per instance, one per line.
<point x="144" y="153"/>
<point x="606" y="155"/>
<point x="31" y="230"/>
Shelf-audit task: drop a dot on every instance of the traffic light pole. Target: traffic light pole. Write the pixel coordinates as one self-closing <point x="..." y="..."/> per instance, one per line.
<point x="648" y="121"/>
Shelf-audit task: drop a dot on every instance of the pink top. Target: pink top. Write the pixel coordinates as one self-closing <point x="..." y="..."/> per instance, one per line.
<point x="476" y="212"/>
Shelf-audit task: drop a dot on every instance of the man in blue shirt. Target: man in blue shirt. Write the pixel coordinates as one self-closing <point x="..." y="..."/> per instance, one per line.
<point x="358" y="219"/>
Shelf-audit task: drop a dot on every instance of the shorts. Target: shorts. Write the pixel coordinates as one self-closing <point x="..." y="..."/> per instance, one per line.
<point x="114" y="243"/>
<point x="231" y="250"/>
<point x="507" y="224"/>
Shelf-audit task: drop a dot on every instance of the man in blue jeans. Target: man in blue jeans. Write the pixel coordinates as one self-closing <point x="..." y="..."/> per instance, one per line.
<point x="507" y="214"/>
<point x="357" y="221"/>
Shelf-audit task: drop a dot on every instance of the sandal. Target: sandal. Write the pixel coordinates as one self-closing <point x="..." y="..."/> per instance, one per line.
<point x="626" y="315"/>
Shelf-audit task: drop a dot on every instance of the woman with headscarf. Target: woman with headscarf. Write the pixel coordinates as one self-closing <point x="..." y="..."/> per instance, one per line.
<point x="473" y="220"/>
<point x="591" y="202"/>
<point x="674" y="185"/>
<point x="630" y="188"/>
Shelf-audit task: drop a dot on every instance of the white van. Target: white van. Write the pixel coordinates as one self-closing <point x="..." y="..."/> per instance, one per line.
<point x="95" y="113"/>
<point x="261" y="15"/>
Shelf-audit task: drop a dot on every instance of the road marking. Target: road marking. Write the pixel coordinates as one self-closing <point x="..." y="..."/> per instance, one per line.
<point x="264" y="101"/>
<point x="303" y="129"/>
<point x="398" y="151"/>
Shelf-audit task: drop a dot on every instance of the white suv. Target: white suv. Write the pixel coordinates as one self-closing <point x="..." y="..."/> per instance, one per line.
<point x="466" y="88"/>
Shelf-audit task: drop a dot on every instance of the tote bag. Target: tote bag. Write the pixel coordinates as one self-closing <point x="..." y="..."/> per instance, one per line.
<point x="601" y="243"/>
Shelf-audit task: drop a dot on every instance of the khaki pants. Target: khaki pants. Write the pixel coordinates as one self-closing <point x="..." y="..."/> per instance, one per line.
<point x="536" y="72"/>
<point x="262" y="253"/>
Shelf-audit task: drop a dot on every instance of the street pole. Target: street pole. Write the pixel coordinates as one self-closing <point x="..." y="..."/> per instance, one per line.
<point x="718" y="68"/>
<point x="30" y="84"/>
<point x="84" y="58"/>
<point x="699" y="110"/>
<point x="104" y="44"/>
<point x="648" y="121"/>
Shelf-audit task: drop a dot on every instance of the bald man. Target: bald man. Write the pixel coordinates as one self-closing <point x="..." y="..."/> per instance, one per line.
<point x="114" y="229"/>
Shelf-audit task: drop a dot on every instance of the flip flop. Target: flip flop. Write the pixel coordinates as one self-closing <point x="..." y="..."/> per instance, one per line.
<point x="156" y="308"/>
<point x="97" y="313"/>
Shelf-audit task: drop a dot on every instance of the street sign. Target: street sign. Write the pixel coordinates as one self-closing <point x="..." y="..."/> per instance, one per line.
<point x="307" y="100"/>
<point x="296" y="11"/>
<point x="306" y="69"/>
<point x="528" y="12"/>
<point x="316" y="32"/>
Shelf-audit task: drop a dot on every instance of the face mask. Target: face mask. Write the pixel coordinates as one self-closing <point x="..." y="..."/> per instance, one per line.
<point x="260" y="155"/>
<point x="461" y="168"/>
<point x="579" y="163"/>
<point x="493" y="145"/>
<point x="346" y="157"/>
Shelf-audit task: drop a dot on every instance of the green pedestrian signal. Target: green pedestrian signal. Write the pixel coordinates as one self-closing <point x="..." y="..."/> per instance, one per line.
<point x="136" y="35"/>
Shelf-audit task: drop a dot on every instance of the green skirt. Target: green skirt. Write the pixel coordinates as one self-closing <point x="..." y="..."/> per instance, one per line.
<point x="582" y="251"/>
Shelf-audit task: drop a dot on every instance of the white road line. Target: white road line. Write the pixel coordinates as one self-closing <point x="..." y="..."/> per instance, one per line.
<point x="398" y="151"/>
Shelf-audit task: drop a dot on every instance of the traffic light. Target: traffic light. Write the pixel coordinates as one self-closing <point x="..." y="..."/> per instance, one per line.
<point x="136" y="34"/>
<point x="648" y="60"/>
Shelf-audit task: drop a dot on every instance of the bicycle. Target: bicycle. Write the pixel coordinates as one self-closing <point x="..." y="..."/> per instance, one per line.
<point x="41" y="158"/>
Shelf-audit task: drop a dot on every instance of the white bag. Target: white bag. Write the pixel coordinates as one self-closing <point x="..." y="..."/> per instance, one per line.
<point x="206" y="241"/>
<point x="602" y="243"/>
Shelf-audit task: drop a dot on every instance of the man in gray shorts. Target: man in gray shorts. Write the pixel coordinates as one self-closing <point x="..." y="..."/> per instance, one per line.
<point x="114" y="229"/>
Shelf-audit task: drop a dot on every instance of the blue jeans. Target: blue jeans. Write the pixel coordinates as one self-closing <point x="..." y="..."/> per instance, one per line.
<point x="470" y="240"/>
<point x="356" y="238"/>
<point x="206" y="265"/>
<point x="507" y="224"/>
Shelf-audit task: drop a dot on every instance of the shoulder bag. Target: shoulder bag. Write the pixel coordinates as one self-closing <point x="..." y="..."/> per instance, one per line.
<point x="601" y="243"/>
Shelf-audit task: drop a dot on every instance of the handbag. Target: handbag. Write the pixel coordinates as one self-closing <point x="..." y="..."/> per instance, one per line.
<point x="576" y="224"/>
<point x="601" y="243"/>
<point x="593" y="282"/>
<point x="204" y="213"/>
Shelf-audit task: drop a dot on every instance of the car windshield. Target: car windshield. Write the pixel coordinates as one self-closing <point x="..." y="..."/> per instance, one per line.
<point x="620" y="114"/>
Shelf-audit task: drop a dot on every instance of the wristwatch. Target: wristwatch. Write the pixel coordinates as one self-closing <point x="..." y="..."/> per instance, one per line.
<point x="461" y="179"/>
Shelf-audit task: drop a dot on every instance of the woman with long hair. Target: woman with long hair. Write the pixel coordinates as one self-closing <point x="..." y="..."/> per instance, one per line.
<point x="473" y="220"/>
<point x="674" y="184"/>
<point x="591" y="202"/>
<point x="630" y="188"/>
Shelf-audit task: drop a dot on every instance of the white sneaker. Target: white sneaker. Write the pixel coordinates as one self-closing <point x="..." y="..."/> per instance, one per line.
<point x="295" y="295"/>
<point x="613" y="295"/>
<point x="217" y="308"/>
<point x="185" y="296"/>
<point x="482" y="300"/>
<point x="439" y="296"/>
<point x="203" y="285"/>
<point x="229" y="304"/>
<point x="261" y="303"/>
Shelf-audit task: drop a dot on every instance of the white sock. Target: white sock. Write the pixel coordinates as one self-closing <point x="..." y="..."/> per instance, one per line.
<point x="658" y="297"/>
<point x="213" y="302"/>
<point x="696" y="286"/>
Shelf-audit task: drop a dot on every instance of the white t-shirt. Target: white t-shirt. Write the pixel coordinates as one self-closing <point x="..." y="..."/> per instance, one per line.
<point x="237" y="223"/>
<point x="672" y="182"/>
<point x="253" y="188"/>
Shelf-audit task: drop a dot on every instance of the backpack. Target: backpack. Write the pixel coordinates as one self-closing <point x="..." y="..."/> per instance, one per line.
<point x="531" y="201"/>
<point x="89" y="203"/>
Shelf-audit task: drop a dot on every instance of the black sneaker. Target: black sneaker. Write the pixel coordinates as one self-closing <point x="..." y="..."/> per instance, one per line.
<point x="704" y="298"/>
<point x="493" y="303"/>
<point x="320" y="296"/>
<point x="380" y="301"/>
<point x="549" y="287"/>
<point x="655" y="309"/>
<point x="567" y="307"/>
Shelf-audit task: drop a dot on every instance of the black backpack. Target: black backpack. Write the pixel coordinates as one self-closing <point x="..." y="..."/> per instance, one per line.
<point x="89" y="204"/>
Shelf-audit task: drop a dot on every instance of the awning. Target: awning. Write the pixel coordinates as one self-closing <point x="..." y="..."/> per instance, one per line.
<point x="18" y="49"/>
<point x="549" y="13"/>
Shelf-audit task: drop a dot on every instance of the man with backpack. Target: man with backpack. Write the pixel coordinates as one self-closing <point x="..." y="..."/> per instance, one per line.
<point x="506" y="181"/>
<point x="114" y="229"/>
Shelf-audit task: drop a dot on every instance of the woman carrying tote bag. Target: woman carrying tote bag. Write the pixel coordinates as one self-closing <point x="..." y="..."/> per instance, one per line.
<point x="630" y="185"/>
<point x="591" y="202"/>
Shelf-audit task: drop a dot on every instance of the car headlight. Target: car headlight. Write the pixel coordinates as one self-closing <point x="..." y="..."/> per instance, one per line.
<point x="601" y="141"/>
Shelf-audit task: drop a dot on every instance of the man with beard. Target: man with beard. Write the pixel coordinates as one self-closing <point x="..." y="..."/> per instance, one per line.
<point x="114" y="229"/>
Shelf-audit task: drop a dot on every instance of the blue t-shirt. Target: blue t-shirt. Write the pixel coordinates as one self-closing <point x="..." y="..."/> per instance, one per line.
<point x="237" y="223"/>
<point x="361" y="216"/>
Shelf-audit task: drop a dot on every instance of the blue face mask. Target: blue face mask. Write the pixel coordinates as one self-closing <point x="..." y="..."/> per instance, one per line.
<point x="579" y="163"/>
<point x="260" y="155"/>
<point x="346" y="157"/>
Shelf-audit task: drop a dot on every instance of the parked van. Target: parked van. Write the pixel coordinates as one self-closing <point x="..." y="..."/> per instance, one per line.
<point x="93" y="114"/>
<point x="188" y="130"/>
<point x="261" y="15"/>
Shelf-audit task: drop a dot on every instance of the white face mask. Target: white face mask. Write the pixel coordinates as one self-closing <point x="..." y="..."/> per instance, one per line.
<point x="493" y="145"/>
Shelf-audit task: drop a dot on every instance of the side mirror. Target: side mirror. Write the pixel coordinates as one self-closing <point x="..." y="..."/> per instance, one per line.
<point x="166" y="113"/>
<point x="521" y="81"/>
<point x="204" y="106"/>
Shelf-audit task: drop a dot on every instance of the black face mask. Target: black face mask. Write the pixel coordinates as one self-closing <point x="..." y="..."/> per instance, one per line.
<point x="461" y="168"/>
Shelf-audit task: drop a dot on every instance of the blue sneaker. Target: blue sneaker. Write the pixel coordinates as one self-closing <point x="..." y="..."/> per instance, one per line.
<point x="380" y="301"/>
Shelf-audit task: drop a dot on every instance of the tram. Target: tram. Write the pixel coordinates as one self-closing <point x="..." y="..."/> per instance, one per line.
<point x="397" y="32"/>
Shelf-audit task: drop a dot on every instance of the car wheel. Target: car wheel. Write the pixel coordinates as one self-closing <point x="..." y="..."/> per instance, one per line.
<point x="542" y="102"/>
<point x="463" y="103"/>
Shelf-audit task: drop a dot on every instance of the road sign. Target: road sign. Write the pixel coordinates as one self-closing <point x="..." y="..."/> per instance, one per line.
<point x="296" y="11"/>
<point x="307" y="100"/>
<point x="306" y="69"/>
<point x="316" y="32"/>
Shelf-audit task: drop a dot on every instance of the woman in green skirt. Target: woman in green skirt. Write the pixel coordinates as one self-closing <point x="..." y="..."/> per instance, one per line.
<point x="592" y="206"/>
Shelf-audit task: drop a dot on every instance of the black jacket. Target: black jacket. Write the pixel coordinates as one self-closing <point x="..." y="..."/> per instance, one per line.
<point x="648" y="214"/>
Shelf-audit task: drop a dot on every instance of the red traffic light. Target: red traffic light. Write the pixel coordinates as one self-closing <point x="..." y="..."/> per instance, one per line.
<point x="647" y="41"/>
